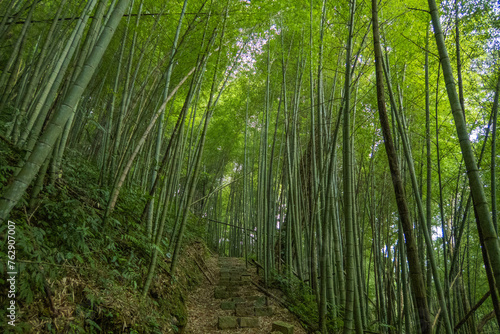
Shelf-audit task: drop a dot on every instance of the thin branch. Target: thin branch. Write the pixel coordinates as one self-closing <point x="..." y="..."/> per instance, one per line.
<point x="222" y="223"/>
<point x="221" y="187"/>
<point x="419" y="9"/>
<point x="92" y="17"/>
<point x="467" y="316"/>
<point x="420" y="47"/>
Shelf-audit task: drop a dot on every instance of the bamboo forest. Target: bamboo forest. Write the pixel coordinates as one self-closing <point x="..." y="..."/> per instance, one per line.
<point x="249" y="166"/>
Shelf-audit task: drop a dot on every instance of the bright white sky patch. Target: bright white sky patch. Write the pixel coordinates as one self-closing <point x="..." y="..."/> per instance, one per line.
<point x="437" y="232"/>
<point x="252" y="48"/>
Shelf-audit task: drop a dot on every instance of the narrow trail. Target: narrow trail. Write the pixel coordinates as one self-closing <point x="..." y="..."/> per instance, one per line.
<point x="228" y="302"/>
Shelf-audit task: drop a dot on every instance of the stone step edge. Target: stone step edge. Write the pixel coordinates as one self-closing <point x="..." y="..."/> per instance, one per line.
<point x="232" y="322"/>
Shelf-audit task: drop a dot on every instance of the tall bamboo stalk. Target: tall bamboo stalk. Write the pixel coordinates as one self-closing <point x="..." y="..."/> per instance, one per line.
<point x="13" y="193"/>
<point x="416" y="275"/>
<point x="483" y="217"/>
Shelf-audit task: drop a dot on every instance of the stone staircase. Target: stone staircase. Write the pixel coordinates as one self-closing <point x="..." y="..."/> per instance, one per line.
<point x="243" y="305"/>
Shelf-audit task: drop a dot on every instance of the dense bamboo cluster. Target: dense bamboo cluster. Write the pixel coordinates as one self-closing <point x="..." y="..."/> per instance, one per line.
<point x="315" y="138"/>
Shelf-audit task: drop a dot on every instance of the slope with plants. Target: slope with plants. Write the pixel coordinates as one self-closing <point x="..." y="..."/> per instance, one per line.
<point x="131" y="126"/>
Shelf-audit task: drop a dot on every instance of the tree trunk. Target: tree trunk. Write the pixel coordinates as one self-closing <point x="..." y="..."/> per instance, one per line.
<point x="416" y="275"/>
<point x="483" y="218"/>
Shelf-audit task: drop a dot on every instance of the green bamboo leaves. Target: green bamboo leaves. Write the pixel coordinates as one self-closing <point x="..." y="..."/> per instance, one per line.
<point x="253" y="122"/>
<point x="481" y="207"/>
<point x="45" y="144"/>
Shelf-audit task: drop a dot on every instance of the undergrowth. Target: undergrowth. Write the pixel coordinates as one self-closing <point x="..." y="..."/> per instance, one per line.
<point x="301" y="301"/>
<point x="78" y="276"/>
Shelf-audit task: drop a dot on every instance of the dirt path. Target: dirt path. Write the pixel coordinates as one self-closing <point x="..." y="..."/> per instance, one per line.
<point x="247" y="305"/>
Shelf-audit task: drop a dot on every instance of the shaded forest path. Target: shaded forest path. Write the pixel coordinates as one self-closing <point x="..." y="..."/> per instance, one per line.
<point x="228" y="301"/>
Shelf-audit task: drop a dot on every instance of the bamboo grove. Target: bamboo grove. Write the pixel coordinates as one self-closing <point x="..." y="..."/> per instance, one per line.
<point x="348" y="148"/>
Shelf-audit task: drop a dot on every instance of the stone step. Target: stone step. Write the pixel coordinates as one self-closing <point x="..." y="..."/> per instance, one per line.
<point x="227" y="305"/>
<point x="264" y="311"/>
<point x="247" y="309"/>
<point x="230" y="322"/>
<point x="282" y="327"/>
<point x="239" y="300"/>
<point x="232" y="276"/>
<point x="232" y="283"/>
<point x="243" y="310"/>
<point x="232" y="270"/>
<point x="258" y="300"/>
<point x="246" y="278"/>
<point x="249" y="322"/>
<point x="232" y="279"/>
<point x="222" y="292"/>
<point x="232" y="287"/>
<point x="227" y="322"/>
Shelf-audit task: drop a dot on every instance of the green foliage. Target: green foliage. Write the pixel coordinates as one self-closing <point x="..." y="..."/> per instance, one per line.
<point x="62" y="236"/>
<point x="302" y="302"/>
<point x="5" y="172"/>
<point x="8" y="159"/>
<point x="64" y="241"/>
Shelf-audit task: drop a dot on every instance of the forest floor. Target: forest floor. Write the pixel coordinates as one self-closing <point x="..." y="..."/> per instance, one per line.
<point x="204" y="309"/>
